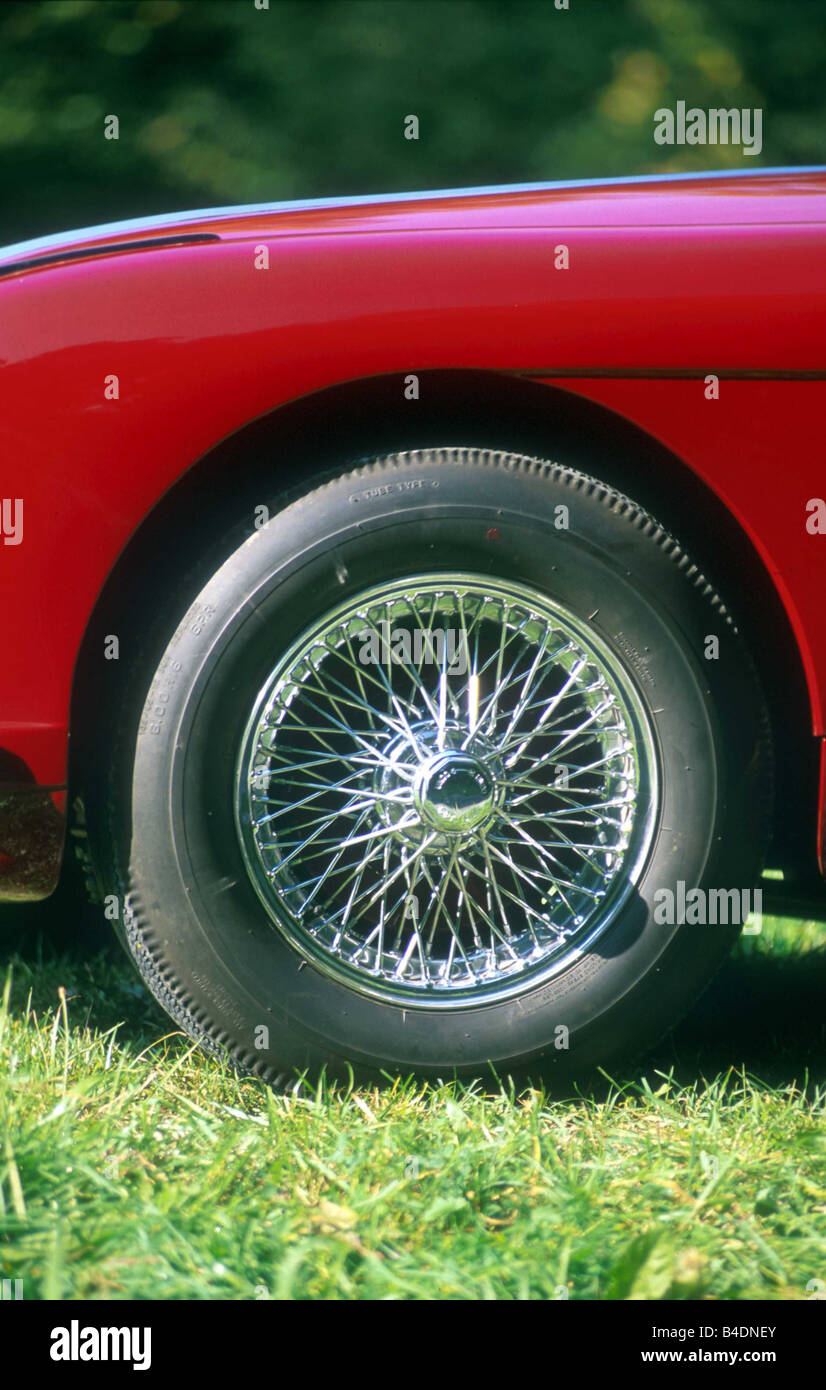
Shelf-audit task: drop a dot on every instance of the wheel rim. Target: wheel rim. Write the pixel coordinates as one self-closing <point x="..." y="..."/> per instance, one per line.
<point x="446" y="791"/>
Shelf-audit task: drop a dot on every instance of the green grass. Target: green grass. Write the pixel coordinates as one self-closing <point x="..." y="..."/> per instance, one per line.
<point x="133" y="1167"/>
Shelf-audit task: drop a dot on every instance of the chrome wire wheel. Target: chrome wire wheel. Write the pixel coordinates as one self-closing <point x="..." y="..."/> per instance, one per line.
<point x="446" y="790"/>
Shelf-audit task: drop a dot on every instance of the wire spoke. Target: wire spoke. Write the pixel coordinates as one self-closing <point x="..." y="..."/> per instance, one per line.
<point x="451" y="811"/>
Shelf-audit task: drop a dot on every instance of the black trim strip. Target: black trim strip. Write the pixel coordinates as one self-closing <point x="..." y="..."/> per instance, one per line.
<point x="104" y="249"/>
<point x="32" y="787"/>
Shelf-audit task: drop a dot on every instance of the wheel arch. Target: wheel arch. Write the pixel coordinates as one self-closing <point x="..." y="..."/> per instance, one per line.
<point x="184" y="537"/>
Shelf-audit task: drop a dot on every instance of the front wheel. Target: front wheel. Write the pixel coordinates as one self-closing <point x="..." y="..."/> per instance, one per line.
<point x="457" y="763"/>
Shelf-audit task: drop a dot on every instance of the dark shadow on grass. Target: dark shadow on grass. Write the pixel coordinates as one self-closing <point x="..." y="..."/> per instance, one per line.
<point x="66" y="941"/>
<point x="763" y="1013"/>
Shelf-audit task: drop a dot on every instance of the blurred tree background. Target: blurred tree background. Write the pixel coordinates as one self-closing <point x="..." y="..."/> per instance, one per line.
<point x="220" y="102"/>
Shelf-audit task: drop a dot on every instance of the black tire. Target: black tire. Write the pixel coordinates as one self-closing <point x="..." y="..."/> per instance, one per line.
<point x="197" y="929"/>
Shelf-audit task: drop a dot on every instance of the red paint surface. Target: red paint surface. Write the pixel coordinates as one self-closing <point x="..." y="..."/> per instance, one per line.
<point x="717" y="275"/>
<point x="757" y="448"/>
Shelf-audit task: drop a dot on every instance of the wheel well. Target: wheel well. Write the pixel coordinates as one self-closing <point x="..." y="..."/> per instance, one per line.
<point x="202" y="517"/>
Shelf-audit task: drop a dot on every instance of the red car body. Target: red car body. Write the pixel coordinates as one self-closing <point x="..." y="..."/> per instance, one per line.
<point x="668" y="282"/>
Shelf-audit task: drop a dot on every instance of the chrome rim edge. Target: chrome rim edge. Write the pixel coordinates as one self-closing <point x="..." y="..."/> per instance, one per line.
<point x="446" y="791"/>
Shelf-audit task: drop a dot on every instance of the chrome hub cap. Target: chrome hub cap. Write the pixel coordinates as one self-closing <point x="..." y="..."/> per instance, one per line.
<point x="455" y="792"/>
<point x="446" y="791"/>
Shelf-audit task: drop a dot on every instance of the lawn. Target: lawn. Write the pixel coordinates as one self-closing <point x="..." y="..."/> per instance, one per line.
<point x="133" y="1167"/>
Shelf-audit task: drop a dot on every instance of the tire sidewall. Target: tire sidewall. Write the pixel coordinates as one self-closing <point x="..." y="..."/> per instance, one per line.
<point x="200" y="917"/>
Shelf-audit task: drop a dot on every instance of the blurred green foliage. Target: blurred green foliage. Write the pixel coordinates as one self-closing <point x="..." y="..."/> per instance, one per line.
<point x="220" y="102"/>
